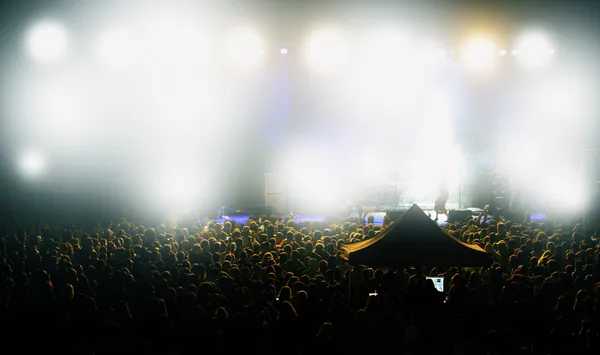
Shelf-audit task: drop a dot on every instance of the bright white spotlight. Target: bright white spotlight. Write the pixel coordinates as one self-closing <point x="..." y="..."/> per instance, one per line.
<point x="479" y="55"/>
<point x="115" y="48"/>
<point x="245" y="48"/>
<point x="534" y="50"/>
<point x="61" y="107"/>
<point x="47" y="42"/>
<point x="174" y="43"/>
<point x="178" y="189"/>
<point x="387" y="49"/>
<point x="283" y="51"/>
<point x="32" y="165"/>
<point x="389" y="65"/>
<point x="326" y="51"/>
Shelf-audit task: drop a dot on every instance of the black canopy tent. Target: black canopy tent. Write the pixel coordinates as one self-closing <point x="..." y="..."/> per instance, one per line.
<point x="415" y="239"/>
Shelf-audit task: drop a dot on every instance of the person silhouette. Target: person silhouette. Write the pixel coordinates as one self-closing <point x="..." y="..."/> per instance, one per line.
<point x="440" y="202"/>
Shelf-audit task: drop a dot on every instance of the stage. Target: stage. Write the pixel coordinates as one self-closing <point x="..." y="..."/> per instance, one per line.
<point x="378" y="213"/>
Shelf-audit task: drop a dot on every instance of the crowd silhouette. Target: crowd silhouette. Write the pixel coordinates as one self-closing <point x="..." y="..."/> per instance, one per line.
<point x="277" y="286"/>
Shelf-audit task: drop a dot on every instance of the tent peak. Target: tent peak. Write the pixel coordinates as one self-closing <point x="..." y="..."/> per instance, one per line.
<point x="415" y="207"/>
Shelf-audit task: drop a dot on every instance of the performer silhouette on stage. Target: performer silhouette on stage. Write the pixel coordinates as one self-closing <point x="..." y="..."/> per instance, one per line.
<point x="440" y="203"/>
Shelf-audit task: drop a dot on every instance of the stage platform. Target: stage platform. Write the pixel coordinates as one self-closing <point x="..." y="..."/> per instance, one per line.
<point x="377" y="218"/>
<point x="456" y="213"/>
<point x="377" y="212"/>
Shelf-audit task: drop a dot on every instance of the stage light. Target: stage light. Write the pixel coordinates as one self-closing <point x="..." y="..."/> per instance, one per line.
<point x="385" y="50"/>
<point x="479" y="55"/>
<point x="61" y="106"/>
<point x="177" y="189"/>
<point x="326" y="51"/>
<point x="245" y="48"/>
<point x="32" y="165"/>
<point x="174" y="43"/>
<point x="502" y="52"/>
<point x="390" y="71"/>
<point x="283" y="51"/>
<point x="47" y="42"/>
<point x="534" y="50"/>
<point x="115" y="49"/>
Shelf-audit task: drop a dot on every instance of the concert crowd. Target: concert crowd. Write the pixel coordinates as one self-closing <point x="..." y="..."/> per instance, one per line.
<point x="278" y="286"/>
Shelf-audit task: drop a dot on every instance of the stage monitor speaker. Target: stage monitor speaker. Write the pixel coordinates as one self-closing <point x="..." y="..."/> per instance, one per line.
<point x="394" y="215"/>
<point x="459" y="215"/>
